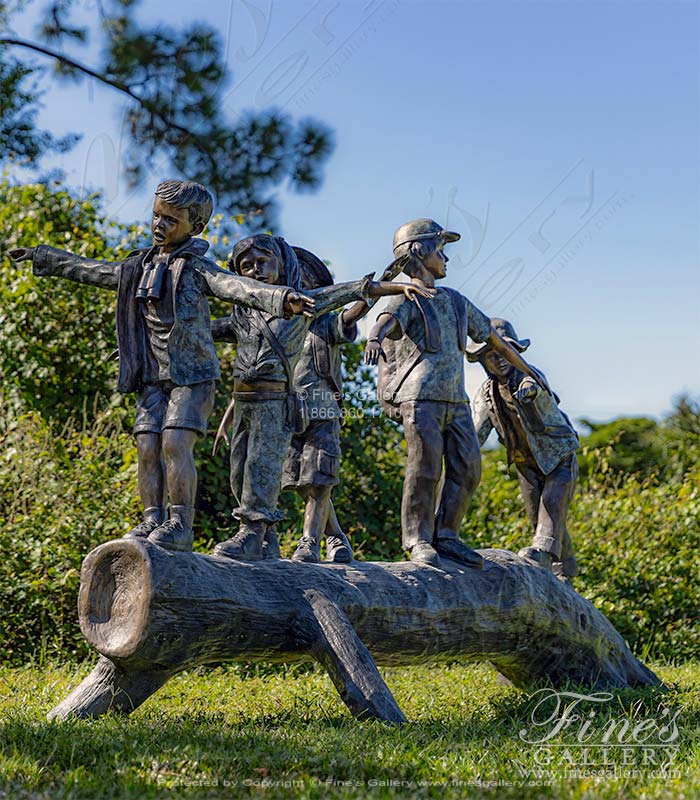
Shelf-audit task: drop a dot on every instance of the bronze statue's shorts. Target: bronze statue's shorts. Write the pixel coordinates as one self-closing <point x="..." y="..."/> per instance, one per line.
<point x="164" y="405"/>
<point x="314" y="456"/>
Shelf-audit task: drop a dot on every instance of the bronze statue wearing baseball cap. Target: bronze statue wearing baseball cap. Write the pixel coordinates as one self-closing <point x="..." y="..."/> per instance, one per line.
<point x="540" y="441"/>
<point x="420" y="347"/>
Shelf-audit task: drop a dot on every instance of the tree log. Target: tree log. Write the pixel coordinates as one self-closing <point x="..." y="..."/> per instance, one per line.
<point x="152" y="613"/>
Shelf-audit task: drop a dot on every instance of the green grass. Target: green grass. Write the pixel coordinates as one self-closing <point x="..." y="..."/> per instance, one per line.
<point x="232" y="732"/>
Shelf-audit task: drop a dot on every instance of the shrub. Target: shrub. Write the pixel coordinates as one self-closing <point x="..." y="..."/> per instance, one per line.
<point x="60" y="496"/>
<point x="56" y="335"/>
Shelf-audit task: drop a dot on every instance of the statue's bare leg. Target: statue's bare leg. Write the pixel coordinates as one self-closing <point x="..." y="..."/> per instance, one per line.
<point x="151" y="481"/>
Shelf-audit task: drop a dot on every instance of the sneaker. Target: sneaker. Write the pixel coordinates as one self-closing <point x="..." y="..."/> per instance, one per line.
<point x="541" y="557"/>
<point x="425" y="553"/>
<point x="173" y="535"/>
<point x="308" y="551"/>
<point x="244" y="546"/>
<point x="458" y="551"/>
<point x="338" y="550"/>
<point x="271" y="545"/>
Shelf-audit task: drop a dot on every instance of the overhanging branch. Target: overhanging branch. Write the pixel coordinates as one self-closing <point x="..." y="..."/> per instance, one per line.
<point x="118" y="85"/>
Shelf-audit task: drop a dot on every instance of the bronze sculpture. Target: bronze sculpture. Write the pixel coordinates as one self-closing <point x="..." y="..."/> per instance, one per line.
<point x="265" y="411"/>
<point x="152" y="613"/>
<point x="166" y="352"/>
<point x="541" y="442"/>
<point x="312" y="465"/>
<point x="420" y="349"/>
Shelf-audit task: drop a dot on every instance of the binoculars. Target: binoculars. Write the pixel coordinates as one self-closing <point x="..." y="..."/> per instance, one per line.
<point x="151" y="284"/>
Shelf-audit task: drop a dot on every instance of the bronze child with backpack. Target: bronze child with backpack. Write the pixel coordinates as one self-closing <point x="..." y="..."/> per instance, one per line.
<point x="539" y="439"/>
<point x="420" y="347"/>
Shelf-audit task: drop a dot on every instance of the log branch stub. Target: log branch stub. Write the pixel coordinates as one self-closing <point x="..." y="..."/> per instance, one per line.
<point x="338" y="648"/>
<point x="109" y="688"/>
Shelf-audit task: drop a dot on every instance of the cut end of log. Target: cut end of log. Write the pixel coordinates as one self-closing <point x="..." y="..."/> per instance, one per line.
<point x="115" y="596"/>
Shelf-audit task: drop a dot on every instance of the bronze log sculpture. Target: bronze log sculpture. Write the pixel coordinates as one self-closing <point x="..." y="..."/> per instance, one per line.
<point x="152" y="613"/>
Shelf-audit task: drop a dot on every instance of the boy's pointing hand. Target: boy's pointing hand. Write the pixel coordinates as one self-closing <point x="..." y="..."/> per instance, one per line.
<point x="22" y="254"/>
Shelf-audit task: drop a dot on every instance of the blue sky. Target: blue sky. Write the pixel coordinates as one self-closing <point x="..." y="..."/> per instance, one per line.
<point x="561" y="138"/>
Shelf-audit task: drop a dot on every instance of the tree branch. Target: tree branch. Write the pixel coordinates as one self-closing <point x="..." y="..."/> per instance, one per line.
<point x="118" y="85"/>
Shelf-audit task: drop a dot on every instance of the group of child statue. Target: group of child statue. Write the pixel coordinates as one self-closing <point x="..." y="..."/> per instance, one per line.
<point x="289" y="322"/>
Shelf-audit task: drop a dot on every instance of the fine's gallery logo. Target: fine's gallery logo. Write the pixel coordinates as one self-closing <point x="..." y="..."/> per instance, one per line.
<point x="573" y="732"/>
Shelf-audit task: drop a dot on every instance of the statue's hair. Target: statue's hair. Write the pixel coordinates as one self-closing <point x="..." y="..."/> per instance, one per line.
<point x="412" y="260"/>
<point x="193" y="196"/>
<point x="314" y="273"/>
<point x="276" y="246"/>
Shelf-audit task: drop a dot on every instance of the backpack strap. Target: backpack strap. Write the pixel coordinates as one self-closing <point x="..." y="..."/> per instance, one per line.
<point x="431" y="327"/>
<point x="462" y="322"/>
<point x="273" y="341"/>
<point x="296" y="408"/>
<point x="323" y="358"/>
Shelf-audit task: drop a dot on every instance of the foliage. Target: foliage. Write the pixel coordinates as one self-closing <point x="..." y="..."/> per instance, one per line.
<point x="175" y="82"/>
<point x="55" y="335"/>
<point x="642" y="446"/>
<point x="20" y="139"/>
<point x="637" y="447"/>
<point x="233" y="733"/>
<point x="680" y="434"/>
<point x="685" y="417"/>
<point x="60" y="495"/>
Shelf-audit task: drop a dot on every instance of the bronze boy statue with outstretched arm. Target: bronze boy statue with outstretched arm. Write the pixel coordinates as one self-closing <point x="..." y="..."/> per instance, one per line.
<point x="166" y="351"/>
<point x="420" y="348"/>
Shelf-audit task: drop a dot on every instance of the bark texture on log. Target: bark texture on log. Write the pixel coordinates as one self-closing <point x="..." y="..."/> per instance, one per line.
<point x="152" y="613"/>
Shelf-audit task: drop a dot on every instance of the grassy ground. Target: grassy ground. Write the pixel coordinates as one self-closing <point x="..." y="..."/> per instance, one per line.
<point x="232" y="732"/>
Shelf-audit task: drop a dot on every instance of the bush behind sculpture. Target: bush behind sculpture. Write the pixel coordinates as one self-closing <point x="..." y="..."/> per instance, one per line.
<point x="56" y="336"/>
